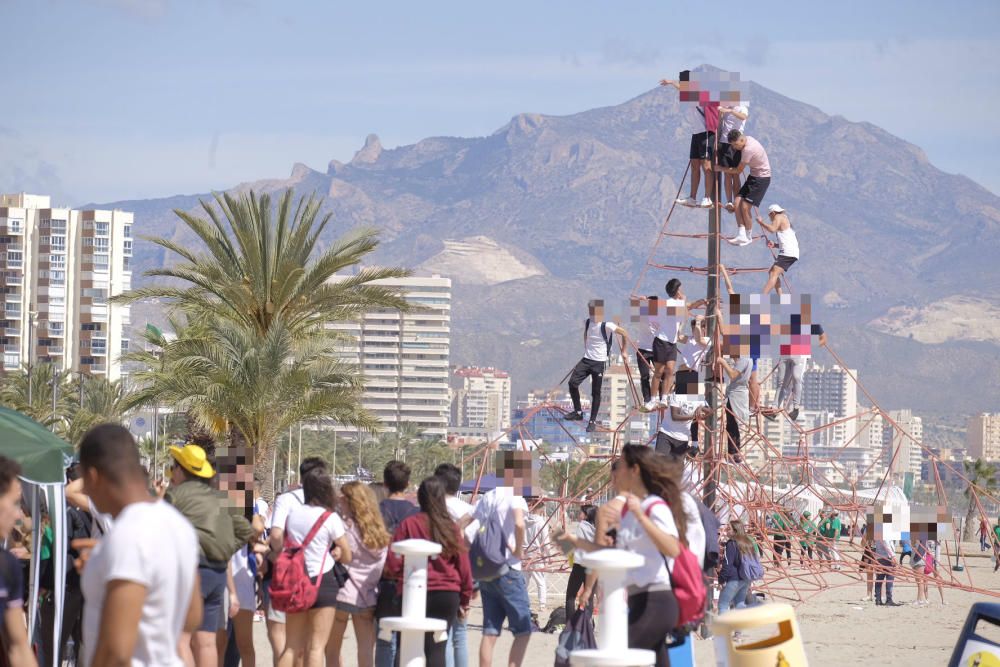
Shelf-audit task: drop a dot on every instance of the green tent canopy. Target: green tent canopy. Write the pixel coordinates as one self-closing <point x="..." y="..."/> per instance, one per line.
<point x="42" y="455"/>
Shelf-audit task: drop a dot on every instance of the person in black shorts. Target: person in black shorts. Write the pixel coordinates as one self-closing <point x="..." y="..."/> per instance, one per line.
<point x="704" y="116"/>
<point x="788" y="245"/>
<point x="752" y="155"/>
<point x="665" y="346"/>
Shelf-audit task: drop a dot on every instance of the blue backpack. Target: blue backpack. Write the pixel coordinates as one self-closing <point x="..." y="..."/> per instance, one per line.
<point x="488" y="554"/>
<point x="750" y="568"/>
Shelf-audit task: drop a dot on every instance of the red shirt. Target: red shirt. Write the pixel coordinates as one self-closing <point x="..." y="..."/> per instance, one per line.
<point x="453" y="573"/>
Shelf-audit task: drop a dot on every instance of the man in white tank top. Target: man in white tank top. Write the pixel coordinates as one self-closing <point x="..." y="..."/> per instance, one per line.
<point x="788" y="246"/>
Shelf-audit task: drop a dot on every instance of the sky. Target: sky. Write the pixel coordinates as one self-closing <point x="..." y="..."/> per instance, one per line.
<point x="126" y="99"/>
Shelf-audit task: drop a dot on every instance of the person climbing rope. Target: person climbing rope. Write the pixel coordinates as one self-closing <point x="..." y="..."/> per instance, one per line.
<point x="788" y="245"/>
<point x="598" y="337"/>
<point x="668" y="325"/>
<point x="752" y="155"/>
<point x="703" y="115"/>
<point x="731" y="118"/>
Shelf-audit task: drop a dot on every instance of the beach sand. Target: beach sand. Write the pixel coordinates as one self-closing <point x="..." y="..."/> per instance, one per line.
<point x="837" y="628"/>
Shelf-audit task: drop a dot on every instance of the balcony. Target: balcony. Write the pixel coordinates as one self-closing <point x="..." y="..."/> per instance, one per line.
<point x="54" y="350"/>
<point x="14" y="278"/>
<point x="57" y="332"/>
<point x="10" y="348"/>
<point x="12" y="331"/>
<point x="99" y="368"/>
<point x="13" y="297"/>
<point x="11" y="361"/>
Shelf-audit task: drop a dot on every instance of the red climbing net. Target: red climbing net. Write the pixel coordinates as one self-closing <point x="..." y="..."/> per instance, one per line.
<point x="770" y="482"/>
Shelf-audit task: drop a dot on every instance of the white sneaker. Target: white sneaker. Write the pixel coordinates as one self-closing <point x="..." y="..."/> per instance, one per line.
<point x="747" y="240"/>
<point x="649" y="406"/>
<point x="684" y="201"/>
<point x="706" y="203"/>
<point x="662" y="403"/>
<point x="731" y="207"/>
<point x="739" y="239"/>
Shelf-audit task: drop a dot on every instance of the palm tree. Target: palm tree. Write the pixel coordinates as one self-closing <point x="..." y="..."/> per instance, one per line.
<point x="43" y="380"/>
<point x="248" y="388"/>
<point x="982" y="478"/>
<point x="261" y="267"/>
<point x="92" y="400"/>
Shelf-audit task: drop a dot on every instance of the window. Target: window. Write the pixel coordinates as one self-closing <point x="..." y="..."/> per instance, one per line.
<point x="87" y="361"/>
<point x="59" y="243"/>
<point x="102" y="244"/>
<point x="99" y="346"/>
<point x="100" y="296"/>
<point x="101" y="263"/>
<point x="15" y="226"/>
<point x="15" y="259"/>
<point x="128" y="231"/>
<point x="124" y="345"/>
<point x="57" y="261"/>
<point x="57" y="301"/>
<point x="88" y="243"/>
<point x="91" y="326"/>
<point x="101" y="229"/>
<point x="127" y="246"/>
<point x="58" y="226"/>
<point x="43" y="240"/>
<point x="58" y="277"/>
<point x="56" y="327"/>
<point x="127" y="264"/>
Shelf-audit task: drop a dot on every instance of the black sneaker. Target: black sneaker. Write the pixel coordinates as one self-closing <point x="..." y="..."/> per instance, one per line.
<point x="574" y="416"/>
<point x="878" y="603"/>
<point x="892" y="603"/>
<point x="591" y="427"/>
<point x="794" y="414"/>
<point x="770" y="416"/>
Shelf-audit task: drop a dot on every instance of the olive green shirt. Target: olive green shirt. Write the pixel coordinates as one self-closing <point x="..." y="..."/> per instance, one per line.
<point x="221" y="531"/>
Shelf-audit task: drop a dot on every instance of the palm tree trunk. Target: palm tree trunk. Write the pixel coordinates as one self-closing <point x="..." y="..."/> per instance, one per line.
<point x="970" y="518"/>
<point x="263" y="469"/>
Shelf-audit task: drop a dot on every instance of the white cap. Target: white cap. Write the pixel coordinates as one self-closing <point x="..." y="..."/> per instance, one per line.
<point x="775" y="208"/>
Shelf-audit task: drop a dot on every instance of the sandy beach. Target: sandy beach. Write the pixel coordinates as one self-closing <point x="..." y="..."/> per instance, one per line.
<point x="837" y="627"/>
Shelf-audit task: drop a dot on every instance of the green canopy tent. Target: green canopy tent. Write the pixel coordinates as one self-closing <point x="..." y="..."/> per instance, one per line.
<point x="43" y="458"/>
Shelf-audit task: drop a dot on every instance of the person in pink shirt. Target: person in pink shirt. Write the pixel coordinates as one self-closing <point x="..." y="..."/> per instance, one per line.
<point x="369" y="541"/>
<point x="704" y="116"/>
<point x="752" y="155"/>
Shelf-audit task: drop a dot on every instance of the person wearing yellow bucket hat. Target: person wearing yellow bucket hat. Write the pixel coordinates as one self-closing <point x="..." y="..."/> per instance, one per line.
<point x="221" y="533"/>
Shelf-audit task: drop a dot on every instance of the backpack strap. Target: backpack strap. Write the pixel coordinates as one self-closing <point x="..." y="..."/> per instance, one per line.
<point x="586" y="329"/>
<point x="609" y="340"/>
<point x="315" y="529"/>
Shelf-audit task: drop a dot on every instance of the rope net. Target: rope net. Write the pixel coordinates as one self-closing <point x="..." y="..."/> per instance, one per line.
<point x="770" y="486"/>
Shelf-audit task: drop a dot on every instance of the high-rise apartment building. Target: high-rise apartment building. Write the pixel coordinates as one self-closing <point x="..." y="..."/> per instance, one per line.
<point x="481" y="398"/>
<point x="60" y="266"/>
<point x="903" y="445"/>
<point x="404" y="357"/>
<point x="830" y="389"/>
<point x="982" y="437"/>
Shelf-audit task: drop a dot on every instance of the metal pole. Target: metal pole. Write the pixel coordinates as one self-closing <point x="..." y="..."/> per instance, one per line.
<point x="80" y="373"/>
<point x="156" y="434"/>
<point x="334" y="451"/>
<point x="300" y="444"/>
<point x="288" y="468"/>
<point x="712" y="390"/>
<point x="55" y="395"/>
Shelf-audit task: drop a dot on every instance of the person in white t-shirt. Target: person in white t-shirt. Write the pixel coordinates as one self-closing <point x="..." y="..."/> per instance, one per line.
<point x="275" y="525"/>
<point x="731" y="118"/>
<point x="538" y="550"/>
<point x="140" y="582"/>
<point x="598" y="338"/>
<point x="642" y="311"/>
<point x="506" y="597"/>
<point x="307" y="632"/>
<point x="668" y="325"/>
<point x="654" y="524"/>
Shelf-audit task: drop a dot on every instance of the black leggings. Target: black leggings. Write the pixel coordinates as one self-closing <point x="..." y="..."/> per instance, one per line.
<point x="645" y="370"/>
<point x="577" y="577"/>
<point x="733" y="430"/>
<point x="651" y="617"/>
<point x="443" y="605"/>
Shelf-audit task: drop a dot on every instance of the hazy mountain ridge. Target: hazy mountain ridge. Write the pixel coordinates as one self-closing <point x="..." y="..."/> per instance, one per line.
<point x="583" y="197"/>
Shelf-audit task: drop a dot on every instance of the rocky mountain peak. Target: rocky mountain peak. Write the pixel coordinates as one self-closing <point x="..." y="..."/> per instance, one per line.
<point x="370" y="152"/>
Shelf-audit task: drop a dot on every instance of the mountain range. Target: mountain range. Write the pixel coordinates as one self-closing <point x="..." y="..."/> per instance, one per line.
<point x="549" y="211"/>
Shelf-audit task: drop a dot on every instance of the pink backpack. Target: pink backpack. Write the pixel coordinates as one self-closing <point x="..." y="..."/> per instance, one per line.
<point x="687" y="582"/>
<point x="291" y="590"/>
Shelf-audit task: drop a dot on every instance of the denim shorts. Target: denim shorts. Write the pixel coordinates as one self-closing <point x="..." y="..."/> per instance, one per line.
<point x="506" y="598"/>
<point x="214" y="595"/>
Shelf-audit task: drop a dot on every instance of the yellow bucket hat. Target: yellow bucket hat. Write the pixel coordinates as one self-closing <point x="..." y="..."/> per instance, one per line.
<point x="193" y="459"/>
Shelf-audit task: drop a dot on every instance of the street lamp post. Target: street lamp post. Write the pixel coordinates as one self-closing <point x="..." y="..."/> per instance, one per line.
<point x="31" y="332"/>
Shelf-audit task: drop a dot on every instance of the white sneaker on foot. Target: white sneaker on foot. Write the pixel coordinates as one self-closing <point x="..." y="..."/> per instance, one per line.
<point x="747" y="240"/>
<point x="739" y="239"/>
<point x="649" y="405"/>
<point x="685" y="201"/>
<point x="731" y="207"/>
<point x="662" y="403"/>
<point x="706" y="203"/>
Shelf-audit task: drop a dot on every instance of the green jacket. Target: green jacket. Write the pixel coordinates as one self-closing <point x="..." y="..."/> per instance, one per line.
<point x="221" y="531"/>
<point x="830" y="528"/>
<point x="807" y="527"/>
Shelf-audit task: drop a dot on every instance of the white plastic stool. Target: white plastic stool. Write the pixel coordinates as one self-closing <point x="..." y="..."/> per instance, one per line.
<point x="612" y="623"/>
<point x="414" y="622"/>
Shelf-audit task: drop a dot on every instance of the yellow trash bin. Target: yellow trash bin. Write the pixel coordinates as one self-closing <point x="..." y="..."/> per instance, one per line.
<point x="783" y="649"/>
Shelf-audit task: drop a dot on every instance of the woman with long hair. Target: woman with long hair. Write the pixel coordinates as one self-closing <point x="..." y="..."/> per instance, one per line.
<point x="653" y="525"/>
<point x="449" y="575"/>
<point x="738" y="546"/>
<point x="307" y="632"/>
<point x="369" y="542"/>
